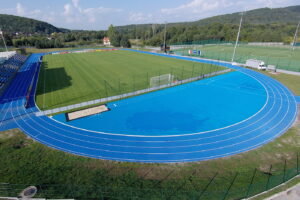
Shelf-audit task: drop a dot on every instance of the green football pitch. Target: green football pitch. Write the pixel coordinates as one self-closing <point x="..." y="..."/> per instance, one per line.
<point x="283" y="57"/>
<point x="67" y="79"/>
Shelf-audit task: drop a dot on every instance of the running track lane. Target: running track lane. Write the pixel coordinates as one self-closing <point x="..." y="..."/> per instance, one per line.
<point x="271" y="121"/>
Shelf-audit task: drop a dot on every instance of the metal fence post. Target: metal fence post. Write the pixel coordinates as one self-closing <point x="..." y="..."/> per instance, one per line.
<point x="105" y="88"/>
<point x="267" y="185"/>
<point x="251" y="182"/>
<point x="120" y="86"/>
<point x="193" y="70"/>
<point x="159" y="78"/>
<point x="182" y="73"/>
<point x="283" y="178"/>
<point x="297" y="163"/>
<point x="231" y="184"/>
<point x="72" y="192"/>
<point x="147" y="81"/>
<point x="133" y="84"/>
<point x="209" y="183"/>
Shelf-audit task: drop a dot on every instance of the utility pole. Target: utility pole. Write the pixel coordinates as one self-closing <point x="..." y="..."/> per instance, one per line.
<point x="165" y="35"/>
<point x="1" y="33"/>
<point x="296" y="36"/>
<point x="237" y="38"/>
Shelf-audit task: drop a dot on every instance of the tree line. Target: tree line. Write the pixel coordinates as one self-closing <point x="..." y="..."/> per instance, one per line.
<point x="153" y="35"/>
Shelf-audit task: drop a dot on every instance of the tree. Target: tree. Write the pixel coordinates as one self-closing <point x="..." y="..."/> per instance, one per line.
<point x="114" y="36"/>
<point x="125" y="42"/>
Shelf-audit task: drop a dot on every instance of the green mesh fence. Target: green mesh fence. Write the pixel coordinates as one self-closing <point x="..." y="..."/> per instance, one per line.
<point x="192" y="185"/>
<point x="278" y="54"/>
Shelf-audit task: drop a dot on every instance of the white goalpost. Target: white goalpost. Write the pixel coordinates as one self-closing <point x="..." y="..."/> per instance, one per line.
<point x="161" y="80"/>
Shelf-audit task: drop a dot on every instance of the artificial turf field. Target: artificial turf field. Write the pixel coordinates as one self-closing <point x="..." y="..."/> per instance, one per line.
<point x="67" y="79"/>
<point x="283" y="57"/>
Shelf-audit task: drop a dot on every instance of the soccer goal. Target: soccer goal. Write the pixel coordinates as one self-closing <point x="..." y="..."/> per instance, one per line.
<point x="161" y="80"/>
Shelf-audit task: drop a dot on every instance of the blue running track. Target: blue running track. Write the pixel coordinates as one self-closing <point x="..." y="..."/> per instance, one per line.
<point x="271" y="121"/>
<point x="298" y="99"/>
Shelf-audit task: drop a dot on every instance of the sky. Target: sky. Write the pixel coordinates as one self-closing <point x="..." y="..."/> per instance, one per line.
<point x="99" y="14"/>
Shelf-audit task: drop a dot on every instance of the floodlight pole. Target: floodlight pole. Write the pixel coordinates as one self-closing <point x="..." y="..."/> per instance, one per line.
<point x="3" y="39"/>
<point x="296" y="36"/>
<point x="165" y="35"/>
<point x="237" y="38"/>
<point x="136" y="37"/>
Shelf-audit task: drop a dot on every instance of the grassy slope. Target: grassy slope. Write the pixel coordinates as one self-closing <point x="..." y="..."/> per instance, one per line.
<point x="50" y="167"/>
<point x="74" y="78"/>
<point x="291" y="81"/>
<point x="282" y="57"/>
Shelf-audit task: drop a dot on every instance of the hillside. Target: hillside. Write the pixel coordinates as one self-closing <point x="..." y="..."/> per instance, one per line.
<point x="257" y="17"/>
<point x="12" y="24"/>
<point x="264" y="25"/>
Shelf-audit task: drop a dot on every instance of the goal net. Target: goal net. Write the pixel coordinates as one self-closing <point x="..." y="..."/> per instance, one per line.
<point x="161" y="80"/>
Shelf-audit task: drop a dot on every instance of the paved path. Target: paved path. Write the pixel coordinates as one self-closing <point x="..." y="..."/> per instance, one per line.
<point x="292" y="193"/>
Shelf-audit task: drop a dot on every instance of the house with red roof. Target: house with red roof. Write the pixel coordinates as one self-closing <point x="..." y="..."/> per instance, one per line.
<point x="106" y="41"/>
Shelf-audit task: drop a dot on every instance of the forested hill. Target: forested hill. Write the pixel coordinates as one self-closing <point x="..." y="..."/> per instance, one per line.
<point x="12" y="24"/>
<point x="264" y="24"/>
<point x="258" y="16"/>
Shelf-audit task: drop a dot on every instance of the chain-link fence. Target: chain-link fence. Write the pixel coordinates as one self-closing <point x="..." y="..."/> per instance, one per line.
<point x="282" y="56"/>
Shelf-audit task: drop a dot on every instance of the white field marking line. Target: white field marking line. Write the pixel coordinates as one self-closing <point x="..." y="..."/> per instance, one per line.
<point x="143" y="153"/>
<point x="156" y="147"/>
<point x="142" y="91"/>
<point x="44" y="100"/>
<point x="217" y="63"/>
<point x="172" y="135"/>
<point x="165" y="153"/>
<point x="146" y="141"/>
<point x="3" y="107"/>
<point x="1" y="122"/>
<point x="127" y="135"/>
<point x="126" y="159"/>
<point x="68" y="131"/>
<point x="177" y="161"/>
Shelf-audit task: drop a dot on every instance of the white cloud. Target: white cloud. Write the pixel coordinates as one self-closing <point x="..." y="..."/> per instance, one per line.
<point x="139" y="17"/>
<point x="74" y="13"/>
<point x="198" y="9"/>
<point x="75" y="3"/>
<point x="20" y="9"/>
<point x="195" y="6"/>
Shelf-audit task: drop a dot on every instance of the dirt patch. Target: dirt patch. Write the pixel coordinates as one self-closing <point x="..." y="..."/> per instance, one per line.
<point x="9" y="133"/>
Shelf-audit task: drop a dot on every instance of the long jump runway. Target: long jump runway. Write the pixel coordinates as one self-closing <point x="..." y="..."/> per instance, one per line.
<point x="277" y="115"/>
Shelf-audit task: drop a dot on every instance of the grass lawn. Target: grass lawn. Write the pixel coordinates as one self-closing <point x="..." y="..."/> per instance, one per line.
<point x="74" y="78"/>
<point x="282" y="57"/>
